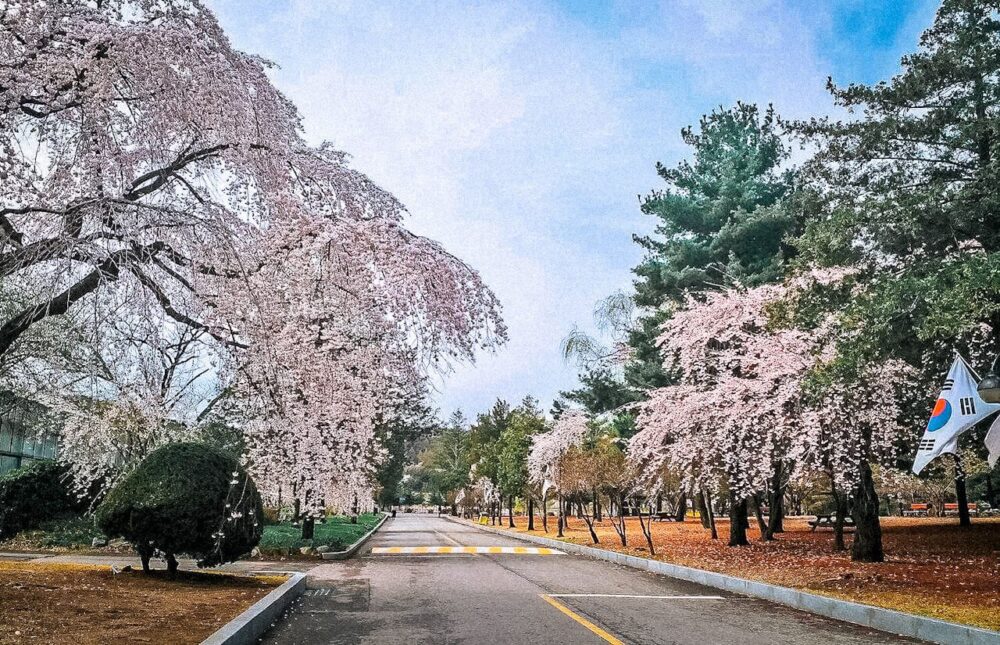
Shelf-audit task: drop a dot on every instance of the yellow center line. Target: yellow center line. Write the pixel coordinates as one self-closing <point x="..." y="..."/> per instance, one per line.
<point x="580" y="619"/>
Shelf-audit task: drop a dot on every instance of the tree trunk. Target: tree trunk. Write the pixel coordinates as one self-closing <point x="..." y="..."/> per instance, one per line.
<point x="702" y="510"/>
<point x="145" y="553"/>
<point x="545" y="511"/>
<point x="990" y="494"/>
<point x="765" y="534"/>
<point x="171" y="566"/>
<point x="298" y="509"/>
<point x="776" y="501"/>
<point x="647" y="529"/>
<point x="531" y="513"/>
<point x="561" y="520"/>
<point x="960" y="493"/>
<point x="840" y="511"/>
<point x="682" y="507"/>
<point x="659" y="503"/>
<point x="867" y="545"/>
<point x="308" y="528"/>
<point x="595" y="505"/>
<point x="510" y="511"/>
<point x="711" y="514"/>
<point x="737" y="521"/>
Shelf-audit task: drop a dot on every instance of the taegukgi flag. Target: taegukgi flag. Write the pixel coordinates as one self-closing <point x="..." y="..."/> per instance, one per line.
<point x="958" y="408"/>
<point x="993" y="442"/>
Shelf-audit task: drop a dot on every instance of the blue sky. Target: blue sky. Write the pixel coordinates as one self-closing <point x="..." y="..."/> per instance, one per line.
<point x="520" y="134"/>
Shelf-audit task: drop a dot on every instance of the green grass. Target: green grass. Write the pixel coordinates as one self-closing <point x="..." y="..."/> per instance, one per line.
<point x="337" y="532"/>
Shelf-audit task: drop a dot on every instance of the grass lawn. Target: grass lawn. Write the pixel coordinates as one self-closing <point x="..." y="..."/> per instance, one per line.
<point x="337" y="532"/>
<point x="933" y="566"/>
<point x="66" y="603"/>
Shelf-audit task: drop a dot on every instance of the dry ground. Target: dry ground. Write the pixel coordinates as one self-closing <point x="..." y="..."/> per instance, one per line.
<point x="934" y="567"/>
<point x="62" y="603"/>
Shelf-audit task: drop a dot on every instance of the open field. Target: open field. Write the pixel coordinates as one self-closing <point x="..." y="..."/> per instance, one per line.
<point x="934" y="567"/>
<point x="48" y="603"/>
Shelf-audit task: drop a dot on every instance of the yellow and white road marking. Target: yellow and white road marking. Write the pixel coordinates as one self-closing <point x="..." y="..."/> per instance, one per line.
<point x="580" y="619"/>
<point x="484" y="550"/>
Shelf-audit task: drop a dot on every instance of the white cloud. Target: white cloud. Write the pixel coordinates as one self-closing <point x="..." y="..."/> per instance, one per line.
<point x="520" y="137"/>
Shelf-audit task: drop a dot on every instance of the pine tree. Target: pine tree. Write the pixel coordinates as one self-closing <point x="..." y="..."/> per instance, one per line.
<point x="912" y="204"/>
<point x="721" y="218"/>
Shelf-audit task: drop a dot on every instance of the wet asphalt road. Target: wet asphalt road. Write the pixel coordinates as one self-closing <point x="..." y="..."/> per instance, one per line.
<point x="517" y="598"/>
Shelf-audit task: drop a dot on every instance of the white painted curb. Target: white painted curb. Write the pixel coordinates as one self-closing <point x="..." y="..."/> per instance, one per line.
<point x="351" y="550"/>
<point x="249" y="626"/>
<point x="887" y="620"/>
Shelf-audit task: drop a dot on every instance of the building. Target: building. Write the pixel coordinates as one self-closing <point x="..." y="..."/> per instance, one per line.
<point x="20" y="441"/>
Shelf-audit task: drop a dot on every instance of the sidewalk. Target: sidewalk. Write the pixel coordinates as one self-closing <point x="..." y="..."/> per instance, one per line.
<point x="122" y="560"/>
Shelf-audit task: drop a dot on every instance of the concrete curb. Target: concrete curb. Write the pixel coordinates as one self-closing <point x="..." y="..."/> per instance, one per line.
<point x="351" y="550"/>
<point x="887" y="620"/>
<point x="249" y="626"/>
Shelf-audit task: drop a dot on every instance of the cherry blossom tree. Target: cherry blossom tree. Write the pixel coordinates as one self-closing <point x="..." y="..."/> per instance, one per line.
<point x="143" y="155"/>
<point x="548" y="451"/>
<point x="758" y="398"/>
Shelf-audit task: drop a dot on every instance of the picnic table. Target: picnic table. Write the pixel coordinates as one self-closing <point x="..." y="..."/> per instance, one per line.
<point x="663" y="516"/>
<point x="829" y="520"/>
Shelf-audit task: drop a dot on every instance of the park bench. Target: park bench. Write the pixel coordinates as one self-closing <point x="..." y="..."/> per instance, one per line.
<point x="663" y="516"/>
<point x="952" y="509"/>
<point x="916" y="510"/>
<point x="829" y="520"/>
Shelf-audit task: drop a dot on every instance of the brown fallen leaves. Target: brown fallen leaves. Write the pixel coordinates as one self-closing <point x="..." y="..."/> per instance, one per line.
<point x="65" y="603"/>
<point x="933" y="568"/>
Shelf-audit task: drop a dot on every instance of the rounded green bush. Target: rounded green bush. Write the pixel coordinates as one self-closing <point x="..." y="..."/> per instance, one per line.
<point x="186" y="498"/>
<point x="33" y="494"/>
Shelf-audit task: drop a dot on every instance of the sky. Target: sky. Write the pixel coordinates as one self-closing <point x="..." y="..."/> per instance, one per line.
<point x="521" y="135"/>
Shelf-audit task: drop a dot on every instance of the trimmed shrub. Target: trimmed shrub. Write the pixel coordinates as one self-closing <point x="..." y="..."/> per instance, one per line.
<point x="33" y="494"/>
<point x="185" y="498"/>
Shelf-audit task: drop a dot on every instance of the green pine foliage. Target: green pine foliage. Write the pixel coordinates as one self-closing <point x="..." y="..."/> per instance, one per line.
<point x="186" y="498"/>
<point x="723" y="216"/>
<point x="912" y="198"/>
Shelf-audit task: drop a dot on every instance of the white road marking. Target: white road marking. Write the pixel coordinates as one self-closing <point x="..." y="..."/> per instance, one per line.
<point x="625" y="595"/>
<point x="483" y="550"/>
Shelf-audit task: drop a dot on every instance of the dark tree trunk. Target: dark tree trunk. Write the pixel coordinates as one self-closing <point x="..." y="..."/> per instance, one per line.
<point x="510" y="511"/>
<point x="737" y="521"/>
<point x="595" y="505"/>
<point x="297" y="510"/>
<point x="308" y="528"/>
<point x="776" y="501"/>
<point x="590" y="527"/>
<point x="960" y="493"/>
<point x="659" y="503"/>
<point x="867" y="545"/>
<point x="682" y="507"/>
<point x="171" y="566"/>
<point x="145" y="553"/>
<point x="703" y="510"/>
<point x="561" y="520"/>
<point x="531" y="513"/>
<point x="545" y="511"/>
<point x="711" y="514"/>
<point x="647" y="529"/>
<point x="990" y="493"/>
<point x="840" y="512"/>
<point x="765" y="534"/>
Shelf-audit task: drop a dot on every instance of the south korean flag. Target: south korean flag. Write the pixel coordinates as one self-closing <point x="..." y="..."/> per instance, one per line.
<point x="957" y="409"/>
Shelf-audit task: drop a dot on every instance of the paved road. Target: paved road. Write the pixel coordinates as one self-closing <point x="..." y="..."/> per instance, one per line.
<point x="385" y="598"/>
